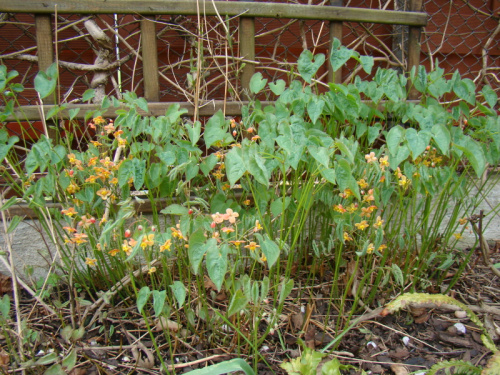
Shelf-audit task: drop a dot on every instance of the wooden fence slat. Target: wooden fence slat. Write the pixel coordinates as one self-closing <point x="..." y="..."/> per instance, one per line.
<point x="149" y="49"/>
<point x="336" y="32"/>
<point x="247" y="51"/>
<point x="45" y="45"/>
<point x="414" y="47"/>
<point x="230" y="8"/>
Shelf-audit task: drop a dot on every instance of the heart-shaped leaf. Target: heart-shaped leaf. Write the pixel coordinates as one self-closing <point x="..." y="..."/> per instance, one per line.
<point x="417" y="141"/>
<point x="257" y="83"/>
<point x="277" y="87"/>
<point x="309" y="65"/>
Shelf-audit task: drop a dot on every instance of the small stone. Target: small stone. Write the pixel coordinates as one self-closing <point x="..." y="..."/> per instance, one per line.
<point x="460" y="328"/>
<point x="460" y="314"/>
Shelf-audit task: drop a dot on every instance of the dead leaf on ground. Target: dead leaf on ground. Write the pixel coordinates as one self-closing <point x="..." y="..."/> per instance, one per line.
<point x="148" y="361"/>
<point x="164" y="323"/>
<point x="399" y="369"/>
<point x="5" y="284"/>
<point x="297" y="321"/>
<point x="4" y="359"/>
<point x="309" y="337"/>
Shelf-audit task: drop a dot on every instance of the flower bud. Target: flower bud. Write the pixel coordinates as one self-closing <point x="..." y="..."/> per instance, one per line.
<point x="127" y="233"/>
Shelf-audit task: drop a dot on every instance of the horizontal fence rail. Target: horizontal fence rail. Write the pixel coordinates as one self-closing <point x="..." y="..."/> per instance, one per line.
<point x="229" y="8"/>
<point x="245" y="60"/>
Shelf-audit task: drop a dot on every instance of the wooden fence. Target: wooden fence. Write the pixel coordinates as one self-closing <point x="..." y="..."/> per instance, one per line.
<point x="46" y="11"/>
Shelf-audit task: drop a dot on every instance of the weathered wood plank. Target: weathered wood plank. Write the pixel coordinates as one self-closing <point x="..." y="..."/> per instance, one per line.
<point x="149" y="48"/>
<point x="32" y="112"/>
<point x="336" y="32"/>
<point x="188" y="7"/>
<point x="247" y="50"/>
<point x="414" y="47"/>
<point x="44" y="45"/>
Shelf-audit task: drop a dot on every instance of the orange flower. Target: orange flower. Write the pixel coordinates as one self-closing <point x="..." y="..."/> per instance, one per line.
<point x="370" y="248"/>
<point x="339" y="208"/>
<point x="147" y="240"/>
<point x="231" y="216"/>
<point x="113" y="252"/>
<point x="227" y="230"/>
<point x="379" y="222"/>
<point x="90" y="262"/>
<point x="362" y="225"/>
<point x="166" y="246"/>
<point x="252" y="246"/>
<point x="69" y="212"/>
<point x="371" y="158"/>
<point x="347" y="237"/>
<point x="104" y="193"/>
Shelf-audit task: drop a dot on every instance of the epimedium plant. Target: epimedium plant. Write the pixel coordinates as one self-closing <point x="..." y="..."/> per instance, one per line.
<point x="356" y="184"/>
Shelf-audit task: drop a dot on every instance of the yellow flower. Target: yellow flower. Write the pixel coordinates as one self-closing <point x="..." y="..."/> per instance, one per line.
<point x="69" y="229"/>
<point x="379" y="222"/>
<point x="152" y="270"/>
<point x="367" y="211"/>
<point x="362" y="225"/>
<point x="113" y="252"/>
<point x="237" y="243"/>
<point x="362" y="183"/>
<point x="90" y="262"/>
<point x="148" y="240"/>
<point x="382" y="247"/>
<point x="257" y="226"/>
<point x="347" y="237"/>
<point x="353" y="207"/>
<point x="339" y="208"/>
<point x="96" y="144"/>
<point x="247" y="202"/>
<point x="457" y="235"/>
<point x="252" y="246"/>
<point x="104" y="193"/>
<point x="370" y="248"/>
<point x="72" y="188"/>
<point x="227" y="230"/>
<point x="263" y="258"/>
<point x="384" y="162"/>
<point x="113" y="181"/>
<point x="99" y="120"/>
<point x="346" y="193"/>
<point x="368" y="197"/>
<point x="126" y="248"/>
<point x="176" y="233"/>
<point x="69" y="212"/>
<point x="79" y="238"/>
<point x="404" y="182"/>
<point x="166" y="246"/>
<point x="463" y="221"/>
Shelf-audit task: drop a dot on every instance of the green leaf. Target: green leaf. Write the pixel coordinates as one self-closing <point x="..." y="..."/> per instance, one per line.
<point x="179" y="291"/>
<point x="329" y="175"/>
<point x="343" y="174"/>
<point x="142" y="298"/>
<point x="339" y="57"/>
<point x="345" y="150"/>
<point x="45" y="82"/>
<point x="277" y="87"/>
<point x="238" y="302"/>
<point x="309" y="65"/>
<point x="393" y="139"/>
<point x="5" y="306"/>
<point x="55" y="369"/>
<point x="70" y="360"/>
<point x="214" y="131"/>
<point x="367" y="63"/>
<point x="198" y="248"/>
<point x="373" y="132"/>
<point x="475" y="155"/>
<point x="442" y="137"/>
<point x="466" y="90"/>
<point x="142" y="104"/>
<point x="208" y="164"/>
<point x="139" y="173"/>
<point x="125" y="172"/>
<point x="402" y="154"/>
<point x="194" y="132"/>
<point x="257" y="167"/>
<point x="217" y="263"/>
<point x="12" y="201"/>
<point x="47" y="359"/>
<point x="490" y="96"/>
<point x="277" y="207"/>
<point x="175" y="209"/>
<point x="88" y="95"/>
<point x="236" y="364"/>
<point x="14" y="222"/>
<point x="270" y="249"/>
<point x="235" y="166"/>
<point x="159" y="301"/>
<point x="257" y="83"/>
<point x="398" y="275"/>
<point x="417" y="141"/>
<point x="315" y="108"/>
<point x="286" y="287"/>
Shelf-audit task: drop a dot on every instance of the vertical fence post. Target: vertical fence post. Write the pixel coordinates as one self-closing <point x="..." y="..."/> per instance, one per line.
<point x="149" y="50"/>
<point x="247" y="50"/>
<point x="414" y="48"/>
<point x="336" y="31"/>
<point x="45" y="54"/>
